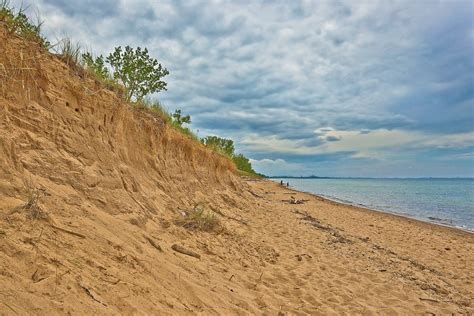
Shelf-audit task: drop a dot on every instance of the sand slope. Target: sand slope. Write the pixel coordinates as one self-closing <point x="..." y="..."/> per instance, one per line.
<point x="109" y="183"/>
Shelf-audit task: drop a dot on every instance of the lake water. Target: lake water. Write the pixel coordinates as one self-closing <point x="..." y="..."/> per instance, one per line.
<point x="443" y="201"/>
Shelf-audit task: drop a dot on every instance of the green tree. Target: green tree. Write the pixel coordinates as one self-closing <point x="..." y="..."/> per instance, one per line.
<point x="243" y="163"/>
<point x="179" y="119"/>
<point x="222" y="145"/>
<point x="96" y="65"/>
<point x="137" y="71"/>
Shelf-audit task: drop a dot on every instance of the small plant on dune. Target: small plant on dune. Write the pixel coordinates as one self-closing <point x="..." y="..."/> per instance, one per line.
<point x="200" y="219"/>
<point x="137" y="71"/>
<point x="18" y="23"/>
<point x="32" y="195"/>
<point x="31" y="204"/>
<point x="175" y="120"/>
<point x="96" y="66"/>
<point x="179" y="119"/>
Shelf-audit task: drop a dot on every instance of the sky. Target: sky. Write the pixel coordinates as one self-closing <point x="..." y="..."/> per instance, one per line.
<point x="328" y="88"/>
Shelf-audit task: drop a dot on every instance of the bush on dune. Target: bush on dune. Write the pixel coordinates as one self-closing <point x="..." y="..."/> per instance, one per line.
<point x="137" y="71"/>
<point x="226" y="147"/>
<point x="96" y="66"/>
<point x="221" y="145"/>
<point x="178" y="120"/>
<point x="243" y="163"/>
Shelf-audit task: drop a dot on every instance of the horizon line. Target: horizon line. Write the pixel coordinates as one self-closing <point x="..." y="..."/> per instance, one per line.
<point x="365" y="177"/>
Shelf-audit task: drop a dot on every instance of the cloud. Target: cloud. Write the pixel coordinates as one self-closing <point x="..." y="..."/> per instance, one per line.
<point x="332" y="138"/>
<point x="382" y="75"/>
<point x="269" y="166"/>
<point x="374" y="145"/>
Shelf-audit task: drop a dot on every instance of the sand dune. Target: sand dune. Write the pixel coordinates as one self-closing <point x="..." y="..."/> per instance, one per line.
<point x="92" y="196"/>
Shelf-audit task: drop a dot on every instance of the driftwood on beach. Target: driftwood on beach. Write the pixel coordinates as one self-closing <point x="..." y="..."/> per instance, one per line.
<point x="293" y="200"/>
<point x="185" y="251"/>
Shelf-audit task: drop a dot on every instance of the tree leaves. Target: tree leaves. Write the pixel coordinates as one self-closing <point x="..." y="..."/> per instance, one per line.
<point x="137" y="71"/>
<point x="222" y="145"/>
<point x="179" y="119"/>
<point x="97" y="65"/>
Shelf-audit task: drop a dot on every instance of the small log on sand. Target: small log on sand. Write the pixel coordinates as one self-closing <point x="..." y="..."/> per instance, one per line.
<point x="185" y="251"/>
<point x="154" y="244"/>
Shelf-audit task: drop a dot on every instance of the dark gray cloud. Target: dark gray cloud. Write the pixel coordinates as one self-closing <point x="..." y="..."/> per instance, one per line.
<point x="308" y="78"/>
<point x="333" y="138"/>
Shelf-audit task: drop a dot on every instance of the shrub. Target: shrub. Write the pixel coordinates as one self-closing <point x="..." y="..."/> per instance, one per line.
<point x="179" y="119"/>
<point x="96" y="66"/>
<point x="243" y="163"/>
<point x="220" y="145"/>
<point x="137" y="71"/>
<point x="175" y="120"/>
<point x="226" y="147"/>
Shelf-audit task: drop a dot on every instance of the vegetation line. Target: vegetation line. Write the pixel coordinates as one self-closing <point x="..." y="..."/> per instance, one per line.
<point x="131" y="73"/>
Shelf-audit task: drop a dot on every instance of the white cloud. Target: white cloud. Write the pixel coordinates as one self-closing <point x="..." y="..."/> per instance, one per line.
<point x="277" y="166"/>
<point x="362" y="145"/>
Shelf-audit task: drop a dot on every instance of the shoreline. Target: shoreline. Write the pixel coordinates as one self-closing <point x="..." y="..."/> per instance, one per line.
<point x="384" y="212"/>
<point x="368" y="208"/>
<point x="418" y="266"/>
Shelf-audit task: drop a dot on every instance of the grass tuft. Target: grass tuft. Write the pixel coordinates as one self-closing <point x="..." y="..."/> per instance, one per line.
<point x="31" y="206"/>
<point x="200" y="219"/>
<point x="17" y="22"/>
<point x="155" y="107"/>
<point x="69" y="52"/>
<point x="185" y="131"/>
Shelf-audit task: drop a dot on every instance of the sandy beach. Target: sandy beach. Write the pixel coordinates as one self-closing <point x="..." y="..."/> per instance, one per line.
<point x="382" y="263"/>
<point x="318" y="258"/>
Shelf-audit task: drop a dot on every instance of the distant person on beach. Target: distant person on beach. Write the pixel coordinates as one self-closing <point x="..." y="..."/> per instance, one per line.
<point x="281" y="182"/>
<point x="287" y="184"/>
